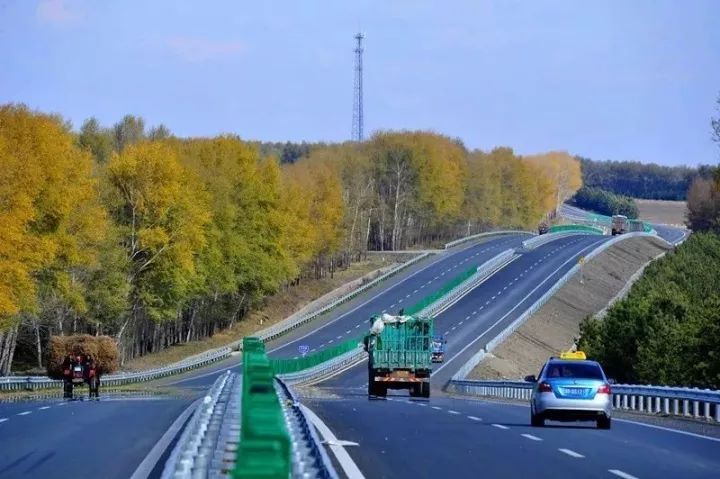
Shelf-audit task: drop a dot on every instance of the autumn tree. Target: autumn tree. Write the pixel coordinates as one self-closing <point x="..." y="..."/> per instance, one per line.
<point x="129" y="130"/>
<point x="98" y="140"/>
<point x="562" y="170"/>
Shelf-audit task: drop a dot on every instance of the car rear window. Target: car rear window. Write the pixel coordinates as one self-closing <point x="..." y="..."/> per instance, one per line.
<point x="574" y="370"/>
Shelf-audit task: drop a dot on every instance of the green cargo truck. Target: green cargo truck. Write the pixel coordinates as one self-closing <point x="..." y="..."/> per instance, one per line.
<point x="400" y="354"/>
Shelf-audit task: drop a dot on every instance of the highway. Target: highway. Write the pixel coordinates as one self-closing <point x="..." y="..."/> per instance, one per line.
<point x="396" y="439"/>
<point x="41" y="437"/>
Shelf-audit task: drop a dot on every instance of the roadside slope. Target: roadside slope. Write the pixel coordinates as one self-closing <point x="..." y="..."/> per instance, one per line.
<point x="556" y="325"/>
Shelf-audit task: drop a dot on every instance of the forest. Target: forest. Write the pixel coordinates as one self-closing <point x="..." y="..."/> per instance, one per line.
<point x="667" y="330"/>
<point x="604" y="202"/>
<point x="157" y="240"/>
<point x="642" y="180"/>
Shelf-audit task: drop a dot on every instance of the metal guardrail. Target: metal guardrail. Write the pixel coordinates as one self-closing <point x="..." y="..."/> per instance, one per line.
<point x="19" y="383"/>
<point x="208" y="444"/>
<point x="324" y="370"/>
<point x="505" y="333"/>
<point x="481" y="235"/>
<point x="309" y="458"/>
<point x="675" y="401"/>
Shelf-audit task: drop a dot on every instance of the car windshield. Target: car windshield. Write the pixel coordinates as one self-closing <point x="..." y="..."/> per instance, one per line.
<point x="574" y="370"/>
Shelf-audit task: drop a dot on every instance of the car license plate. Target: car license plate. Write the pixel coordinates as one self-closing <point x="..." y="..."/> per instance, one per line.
<point x="578" y="392"/>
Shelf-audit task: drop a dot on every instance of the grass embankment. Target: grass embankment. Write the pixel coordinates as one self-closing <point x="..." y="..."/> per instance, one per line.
<point x="276" y="308"/>
<point x="556" y="325"/>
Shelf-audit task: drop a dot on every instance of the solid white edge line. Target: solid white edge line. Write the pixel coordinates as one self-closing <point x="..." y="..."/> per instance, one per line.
<point x="571" y="453"/>
<point x="346" y="462"/>
<point x="668" y="429"/>
<point x="148" y="464"/>
<point x="519" y="303"/>
<point x="622" y="474"/>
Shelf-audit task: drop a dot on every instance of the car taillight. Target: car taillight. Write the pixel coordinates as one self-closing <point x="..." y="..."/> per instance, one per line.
<point x="544" y="388"/>
<point x="604" y="389"/>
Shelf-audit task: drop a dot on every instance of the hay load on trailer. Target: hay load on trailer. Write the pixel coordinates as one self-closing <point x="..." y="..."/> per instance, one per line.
<point x="81" y="359"/>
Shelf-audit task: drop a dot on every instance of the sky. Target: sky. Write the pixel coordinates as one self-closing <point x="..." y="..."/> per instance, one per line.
<point x="610" y="80"/>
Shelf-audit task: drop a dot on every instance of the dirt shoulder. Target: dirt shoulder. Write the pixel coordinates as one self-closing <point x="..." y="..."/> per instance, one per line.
<point x="309" y="294"/>
<point x="555" y="326"/>
<point x="663" y="212"/>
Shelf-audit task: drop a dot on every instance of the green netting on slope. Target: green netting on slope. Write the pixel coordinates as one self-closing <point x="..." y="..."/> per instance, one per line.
<point x="286" y="366"/>
<point x="264" y="449"/>
<point x="579" y="228"/>
<point x="447" y="287"/>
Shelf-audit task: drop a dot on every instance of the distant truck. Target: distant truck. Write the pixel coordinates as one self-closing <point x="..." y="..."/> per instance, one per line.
<point x="400" y="354"/>
<point x="438" y="350"/>
<point x="619" y="224"/>
<point x="81" y="359"/>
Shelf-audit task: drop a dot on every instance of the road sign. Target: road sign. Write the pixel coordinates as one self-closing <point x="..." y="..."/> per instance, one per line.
<point x="303" y="349"/>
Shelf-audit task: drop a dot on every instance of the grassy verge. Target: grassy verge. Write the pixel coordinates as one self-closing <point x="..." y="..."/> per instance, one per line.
<point x="276" y="308"/>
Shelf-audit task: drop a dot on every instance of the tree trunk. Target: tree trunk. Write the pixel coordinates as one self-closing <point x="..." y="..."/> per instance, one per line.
<point x="38" y="342"/>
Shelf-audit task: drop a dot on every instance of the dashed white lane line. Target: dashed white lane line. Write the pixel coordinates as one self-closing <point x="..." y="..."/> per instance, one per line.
<point x="330" y="341"/>
<point x="461" y="323"/>
<point x="571" y="453"/>
<point x="44" y="407"/>
<point x="531" y="437"/>
<point x="421" y="404"/>
<point x="474" y="418"/>
<point x="357" y="326"/>
<point x="400" y="300"/>
<point x="339" y="337"/>
<point x="500" y="426"/>
<point x="453" y="328"/>
<point x="415" y="292"/>
<point x="313" y="350"/>
<point x="452" y="412"/>
<point x="392" y="305"/>
<point x="487" y="302"/>
<point x="384" y="311"/>
<point x="468" y="317"/>
<point x="24" y="413"/>
<point x="493" y="298"/>
<point x="447" y="332"/>
<point x="481" y="308"/>
<point x="61" y="404"/>
<point x="437" y="408"/>
<point x="622" y="474"/>
<point x="504" y="288"/>
<point x="407" y="295"/>
<point x="3" y="419"/>
<point x="347" y="332"/>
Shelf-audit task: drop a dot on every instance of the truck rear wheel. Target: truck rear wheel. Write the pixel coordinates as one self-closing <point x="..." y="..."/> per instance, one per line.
<point x="93" y="386"/>
<point x="425" y="390"/>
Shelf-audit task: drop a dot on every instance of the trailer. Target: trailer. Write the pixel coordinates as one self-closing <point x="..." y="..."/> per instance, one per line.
<point x="80" y="360"/>
<point x="399" y="354"/>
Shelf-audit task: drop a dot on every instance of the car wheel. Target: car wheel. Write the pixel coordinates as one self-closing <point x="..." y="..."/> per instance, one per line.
<point x="536" y="420"/>
<point x="604" y="422"/>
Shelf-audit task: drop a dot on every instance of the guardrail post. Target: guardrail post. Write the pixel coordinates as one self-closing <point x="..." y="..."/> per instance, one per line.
<point x="641" y="403"/>
<point x="666" y="406"/>
<point x="632" y="402"/>
<point x="706" y="410"/>
<point x="686" y="407"/>
<point x="658" y="409"/>
<point x="717" y="412"/>
<point x="676" y="407"/>
<point x="625" y="401"/>
<point x="696" y="409"/>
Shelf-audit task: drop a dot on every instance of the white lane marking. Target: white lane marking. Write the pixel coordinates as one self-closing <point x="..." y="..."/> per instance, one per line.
<point x="400" y="300"/>
<point x="453" y="328"/>
<point x="474" y="418"/>
<point x="517" y="305"/>
<point x="347" y="332"/>
<point x="437" y="408"/>
<point x="421" y="404"/>
<point x="487" y="302"/>
<point x="493" y="298"/>
<point x="422" y="286"/>
<point x="447" y="332"/>
<point x="684" y="433"/>
<point x="571" y="453"/>
<point x="500" y="426"/>
<point x="313" y="350"/>
<point x="481" y="308"/>
<point x="622" y="474"/>
<point x="348" y="465"/>
<point x="414" y="292"/>
<point x="44" y="407"/>
<point x="3" y="419"/>
<point x="516" y="278"/>
<point x="61" y="404"/>
<point x="24" y="413"/>
<point x="384" y="311"/>
<point x="148" y="464"/>
<point x="504" y="288"/>
<point x="531" y="437"/>
<point x="474" y="313"/>
<point x="407" y="295"/>
<point x="461" y="323"/>
<point x="392" y="305"/>
<point x="452" y="412"/>
<point x="468" y="317"/>
<point x="339" y="337"/>
<point x="357" y="326"/>
<point x="330" y="341"/>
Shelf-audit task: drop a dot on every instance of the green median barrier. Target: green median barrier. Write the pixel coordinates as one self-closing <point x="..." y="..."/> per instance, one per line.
<point x="579" y="228"/>
<point x="287" y="366"/>
<point x="264" y="449"/>
<point x="447" y="287"/>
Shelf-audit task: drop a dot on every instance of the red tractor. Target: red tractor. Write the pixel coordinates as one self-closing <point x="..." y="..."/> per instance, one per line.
<point x="78" y="370"/>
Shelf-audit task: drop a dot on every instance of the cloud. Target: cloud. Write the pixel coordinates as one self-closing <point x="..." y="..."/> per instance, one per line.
<point x="196" y="49"/>
<point x="57" y="12"/>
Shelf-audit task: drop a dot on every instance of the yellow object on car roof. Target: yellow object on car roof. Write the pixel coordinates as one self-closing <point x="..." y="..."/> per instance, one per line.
<point x="573" y="355"/>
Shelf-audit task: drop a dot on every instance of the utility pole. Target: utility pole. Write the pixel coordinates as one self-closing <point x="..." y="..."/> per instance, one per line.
<point x="357" y="121"/>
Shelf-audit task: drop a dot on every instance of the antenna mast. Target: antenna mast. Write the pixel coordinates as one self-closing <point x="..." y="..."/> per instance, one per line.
<point x="357" y="122"/>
